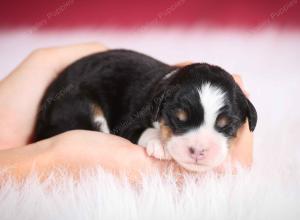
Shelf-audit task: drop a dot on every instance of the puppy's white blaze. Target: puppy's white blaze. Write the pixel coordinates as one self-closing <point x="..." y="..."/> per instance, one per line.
<point x="212" y="100"/>
<point x="102" y="124"/>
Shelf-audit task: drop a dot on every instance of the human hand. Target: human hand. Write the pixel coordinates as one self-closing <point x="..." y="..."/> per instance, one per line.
<point x="20" y="94"/>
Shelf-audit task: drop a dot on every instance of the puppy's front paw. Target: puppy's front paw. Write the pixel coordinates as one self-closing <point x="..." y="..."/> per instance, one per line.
<point x="155" y="149"/>
<point x="150" y="139"/>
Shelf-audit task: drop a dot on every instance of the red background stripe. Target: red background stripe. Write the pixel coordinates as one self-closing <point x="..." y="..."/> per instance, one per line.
<point x="79" y="13"/>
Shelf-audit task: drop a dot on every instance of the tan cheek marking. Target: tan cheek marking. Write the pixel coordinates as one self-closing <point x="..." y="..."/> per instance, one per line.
<point x="181" y="115"/>
<point x="165" y="132"/>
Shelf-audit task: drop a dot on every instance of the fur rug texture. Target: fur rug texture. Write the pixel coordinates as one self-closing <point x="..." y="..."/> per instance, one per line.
<point x="268" y="61"/>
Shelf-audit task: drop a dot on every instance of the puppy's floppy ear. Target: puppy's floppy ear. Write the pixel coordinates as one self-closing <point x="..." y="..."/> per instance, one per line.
<point x="247" y="108"/>
<point x="251" y="115"/>
<point x="157" y="104"/>
<point x="161" y="96"/>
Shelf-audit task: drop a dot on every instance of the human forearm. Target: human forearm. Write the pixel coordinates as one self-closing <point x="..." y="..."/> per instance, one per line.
<point x="77" y="150"/>
<point x="85" y="149"/>
<point x="22" y="90"/>
<point x="19" y="162"/>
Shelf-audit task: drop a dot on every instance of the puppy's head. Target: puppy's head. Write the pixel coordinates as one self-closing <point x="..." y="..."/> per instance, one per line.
<point x="200" y="110"/>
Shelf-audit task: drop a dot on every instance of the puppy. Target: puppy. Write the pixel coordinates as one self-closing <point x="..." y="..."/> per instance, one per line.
<point x="188" y="114"/>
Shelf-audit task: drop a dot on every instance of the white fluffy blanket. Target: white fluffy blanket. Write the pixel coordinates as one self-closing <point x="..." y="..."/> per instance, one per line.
<point x="269" y="63"/>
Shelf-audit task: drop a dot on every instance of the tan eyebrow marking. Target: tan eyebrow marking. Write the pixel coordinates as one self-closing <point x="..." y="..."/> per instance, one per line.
<point x="222" y="121"/>
<point x="96" y="110"/>
<point x="181" y="115"/>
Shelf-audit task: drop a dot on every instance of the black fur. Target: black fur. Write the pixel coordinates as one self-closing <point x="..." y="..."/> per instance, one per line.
<point x="131" y="89"/>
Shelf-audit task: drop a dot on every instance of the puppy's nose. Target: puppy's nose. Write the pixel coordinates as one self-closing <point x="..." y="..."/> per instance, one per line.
<point x="197" y="154"/>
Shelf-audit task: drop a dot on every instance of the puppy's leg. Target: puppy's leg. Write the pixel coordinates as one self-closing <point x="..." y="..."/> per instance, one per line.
<point x="101" y="124"/>
<point x="99" y="119"/>
<point x="150" y="139"/>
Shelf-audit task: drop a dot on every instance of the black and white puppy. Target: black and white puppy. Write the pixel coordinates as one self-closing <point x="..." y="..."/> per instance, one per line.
<point x="188" y="114"/>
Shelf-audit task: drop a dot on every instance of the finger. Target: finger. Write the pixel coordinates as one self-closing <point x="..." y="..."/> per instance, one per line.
<point x="240" y="82"/>
<point x="182" y="64"/>
<point x="242" y="146"/>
